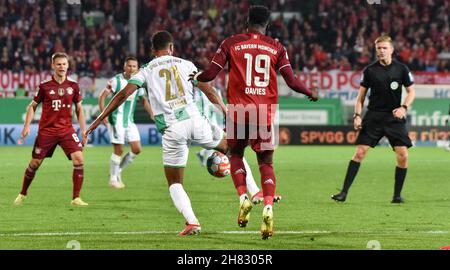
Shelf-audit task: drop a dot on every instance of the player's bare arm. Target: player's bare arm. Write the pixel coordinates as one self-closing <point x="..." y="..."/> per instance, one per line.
<point x="115" y="102"/>
<point x="400" y="112"/>
<point x="298" y="86"/>
<point x="148" y="108"/>
<point x="28" y="118"/>
<point x="211" y="94"/>
<point x="357" y="119"/>
<point x="101" y="102"/>
<point x="81" y="119"/>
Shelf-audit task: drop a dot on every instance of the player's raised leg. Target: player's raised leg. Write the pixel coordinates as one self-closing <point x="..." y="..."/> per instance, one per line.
<point x="28" y="177"/>
<point x="77" y="178"/>
<point x="352" y="171"/>
<point x="400" y="172"/>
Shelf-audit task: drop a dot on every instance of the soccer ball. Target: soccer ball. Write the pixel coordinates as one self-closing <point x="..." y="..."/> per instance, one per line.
<point x="218" y="164"/>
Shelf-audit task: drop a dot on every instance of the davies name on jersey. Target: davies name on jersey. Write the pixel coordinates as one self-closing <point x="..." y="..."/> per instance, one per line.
<point x="255" y="91"/>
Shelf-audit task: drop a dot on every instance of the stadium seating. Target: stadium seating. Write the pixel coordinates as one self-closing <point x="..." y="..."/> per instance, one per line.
<point x="96" y="36"/>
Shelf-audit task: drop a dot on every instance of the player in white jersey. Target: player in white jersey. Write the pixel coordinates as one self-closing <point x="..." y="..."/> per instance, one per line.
<point x="177" y="117"/>
<point x="216" y="117"/>
<point x="120" y="123"/>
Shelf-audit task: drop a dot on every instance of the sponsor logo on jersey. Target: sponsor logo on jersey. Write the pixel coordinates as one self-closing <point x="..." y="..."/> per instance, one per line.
<point x="239" y="171"/>
<point x="70" y="90"/>
<point x="61" y="92"/>
<point x="52" y="92"/>
<point x="56" y="104"/>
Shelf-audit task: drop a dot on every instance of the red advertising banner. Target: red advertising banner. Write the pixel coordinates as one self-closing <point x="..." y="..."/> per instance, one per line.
<point x="332" y="84"/>
<point x="421" y="77"/>
<point x="10" y="81"/>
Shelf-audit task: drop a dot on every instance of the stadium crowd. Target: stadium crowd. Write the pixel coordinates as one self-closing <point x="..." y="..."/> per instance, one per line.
<point x="319" y="35"/>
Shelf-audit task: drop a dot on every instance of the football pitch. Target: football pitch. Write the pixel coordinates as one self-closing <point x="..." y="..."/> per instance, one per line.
<point x="142" y="216"/>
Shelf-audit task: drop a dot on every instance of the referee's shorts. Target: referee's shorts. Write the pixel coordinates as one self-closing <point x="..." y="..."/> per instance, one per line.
<point x="376" y="124"/>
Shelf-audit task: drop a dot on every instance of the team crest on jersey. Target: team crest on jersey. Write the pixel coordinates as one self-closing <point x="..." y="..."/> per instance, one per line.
<point x="70" y="90"/>
<point x="394" y="85"/>
<point x="61" y="92"/>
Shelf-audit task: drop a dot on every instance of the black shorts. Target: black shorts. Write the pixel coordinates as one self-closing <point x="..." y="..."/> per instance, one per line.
<point x="375" y="125"/>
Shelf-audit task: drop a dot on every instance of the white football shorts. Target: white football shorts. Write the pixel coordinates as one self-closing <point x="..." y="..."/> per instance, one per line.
<point x="118" y="134"/>
<point x="178" y="137"/>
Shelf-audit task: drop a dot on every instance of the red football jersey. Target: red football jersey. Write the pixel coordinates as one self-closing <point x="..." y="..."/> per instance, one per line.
<point x="253" y="60"/>
<point x="57" y="101"/>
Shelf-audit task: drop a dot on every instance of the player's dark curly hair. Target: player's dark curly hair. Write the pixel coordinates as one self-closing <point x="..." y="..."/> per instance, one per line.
<point x="161" y="39"/>
<point x="258" y="16"/>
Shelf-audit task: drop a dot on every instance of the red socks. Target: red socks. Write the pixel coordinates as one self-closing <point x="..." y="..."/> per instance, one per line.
<point x="238" y="174"/>
<point x="77" y="178"/>
<point x="268" y="182"/>
<point x="27" y="179"/>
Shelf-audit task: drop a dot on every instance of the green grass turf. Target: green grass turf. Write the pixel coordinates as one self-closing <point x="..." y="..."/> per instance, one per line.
<point x="306" y="218"/>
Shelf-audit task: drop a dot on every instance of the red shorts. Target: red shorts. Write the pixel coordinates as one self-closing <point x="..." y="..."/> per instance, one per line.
<point x="45" y="145"/>
<point x="258" y="137"/>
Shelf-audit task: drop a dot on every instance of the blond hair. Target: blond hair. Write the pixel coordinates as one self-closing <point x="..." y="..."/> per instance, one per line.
<point x="59" y="55"/>
<point x="384" y="38"/>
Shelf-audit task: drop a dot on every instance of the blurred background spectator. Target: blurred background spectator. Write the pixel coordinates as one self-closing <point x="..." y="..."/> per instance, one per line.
<point x="319" y="35"/>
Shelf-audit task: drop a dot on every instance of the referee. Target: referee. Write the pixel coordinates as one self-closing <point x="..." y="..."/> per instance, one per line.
<point x="386" y="115"/>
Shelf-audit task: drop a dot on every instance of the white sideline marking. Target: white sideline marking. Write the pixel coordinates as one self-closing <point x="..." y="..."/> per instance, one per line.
<point x="215" y="232"/>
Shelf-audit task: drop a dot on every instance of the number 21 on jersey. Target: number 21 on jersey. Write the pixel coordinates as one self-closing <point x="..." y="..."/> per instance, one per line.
<point x="168" y="75"/>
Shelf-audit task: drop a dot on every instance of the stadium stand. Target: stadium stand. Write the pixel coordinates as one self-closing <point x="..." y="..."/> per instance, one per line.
<point x="96" y="34"/>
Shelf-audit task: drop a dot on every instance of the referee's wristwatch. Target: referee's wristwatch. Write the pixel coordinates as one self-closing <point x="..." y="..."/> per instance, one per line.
<point x="404" y="107"/>
<point x="356" y="115"/>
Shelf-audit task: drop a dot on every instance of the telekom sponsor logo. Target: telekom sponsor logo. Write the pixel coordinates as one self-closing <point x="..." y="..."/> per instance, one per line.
<point x="56" y="104"/>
